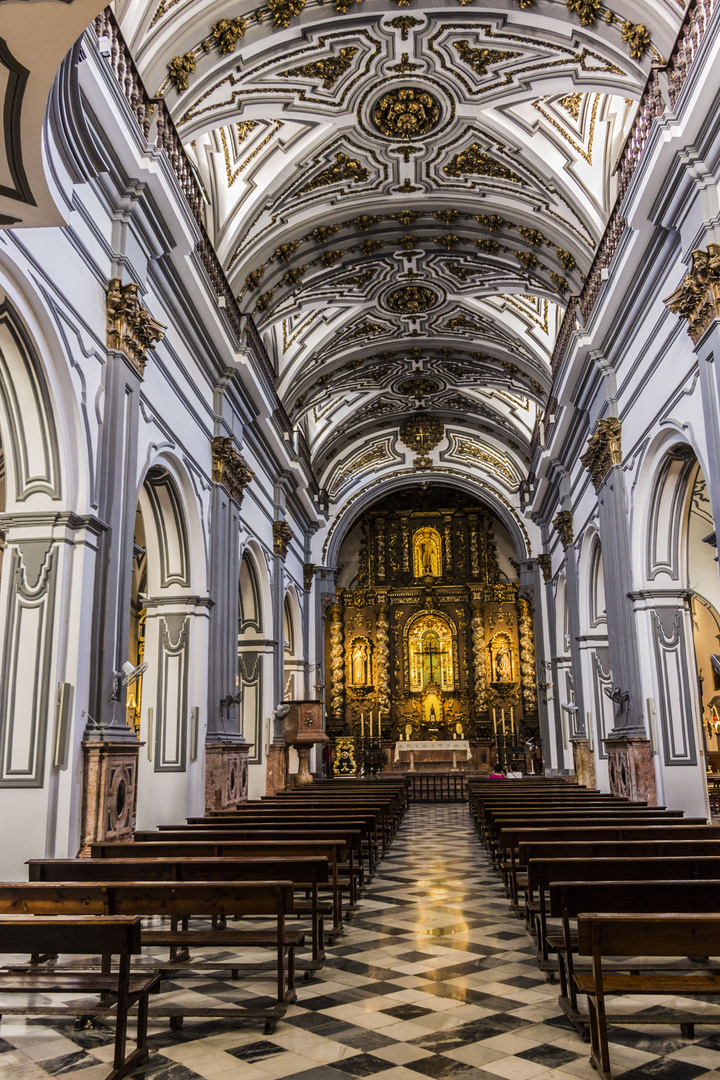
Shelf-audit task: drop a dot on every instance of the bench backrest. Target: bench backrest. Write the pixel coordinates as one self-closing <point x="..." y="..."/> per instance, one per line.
<point x="512" y="837"/>
<point x="572" y="897"/>
<point x="148" y="898"/>
<point x="301" y="870"/>
<point x="336" y="849"/>
<point x="116" y="936"/>
<point x="541" y="872"/>
<point x="616" y="849"/>
<point x="641" y="935"/>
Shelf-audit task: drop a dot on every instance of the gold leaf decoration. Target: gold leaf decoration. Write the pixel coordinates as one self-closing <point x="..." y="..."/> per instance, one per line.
<point x="489" y="247"/>
<point x="404" y="23"/>
<point x="226" y="33"/>
<point x="407" y="217"/>
<point x="285" y="10"/>
<point x="344" y="168"/>
<point x="411" y="299"/>
<point x="408" y="242"/>
<point x="491" y="222"/>
<point x="329" y="258"/>
<point x="448" y="217"/>
<point x="587" y="11"/>
<point x="475" y="162"/>
<point x="253" y="279"/>
<point x="264" y="300"/>
<point x="448" y="241"/>
<point x="571" y="103"/>
<point x="328" y="71"/>
<point x="323" y="233"/>
<point x="565" y="258"/>
<point x="369" y="247"/>
<point x="528" y="259"/>
<point x="533" y="236"/>
<point x="638" y="38"/>
<point x="480" y="59"/>
<point x="285" y="252"/>
<point x="559" y="282"/>
<point x="294" y="276"/>
<point x="365" y="221"/>
<point x="406" y="113"/>
<point x="180" y="69"/>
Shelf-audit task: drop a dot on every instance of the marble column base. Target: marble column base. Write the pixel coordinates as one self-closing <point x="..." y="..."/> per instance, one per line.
<point x="631" y="769"/>
<point x="583" y="762"/>
<point x="276" y="775"/>
<point x="303" y="777"/>
<point x="226" y="775"/>
<point x="109" y="782"/>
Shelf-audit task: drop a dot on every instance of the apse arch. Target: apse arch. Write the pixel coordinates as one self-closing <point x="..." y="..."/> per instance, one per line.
<point x="348" y="515"/>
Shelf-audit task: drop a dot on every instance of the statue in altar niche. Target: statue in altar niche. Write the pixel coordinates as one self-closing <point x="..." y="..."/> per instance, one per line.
<point x="427" y="553"/>
<point x="360" y="662"/>
<point x="502" y="661"/>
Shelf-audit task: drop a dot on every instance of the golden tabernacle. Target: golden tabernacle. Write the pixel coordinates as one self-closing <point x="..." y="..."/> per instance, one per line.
<point x="429" y="637"/>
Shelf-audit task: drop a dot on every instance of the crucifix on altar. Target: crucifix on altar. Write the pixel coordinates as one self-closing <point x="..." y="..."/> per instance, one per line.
<point x="433" y="653"/>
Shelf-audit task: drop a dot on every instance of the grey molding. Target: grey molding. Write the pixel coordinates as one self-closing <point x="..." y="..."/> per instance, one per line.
<point x="169" y="518"/>
<point x="676" y="707"/>
<point x="172" y="697"/>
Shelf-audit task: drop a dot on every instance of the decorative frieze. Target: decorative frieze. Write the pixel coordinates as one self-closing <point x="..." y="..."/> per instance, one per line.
<point x="282" y="535"/>
<point x="565" y="528"/>
<point x="229" y="468"/>
<point x="604" y="450"/>
<point x="131" y="330"/>
<point x="697" y="298"/>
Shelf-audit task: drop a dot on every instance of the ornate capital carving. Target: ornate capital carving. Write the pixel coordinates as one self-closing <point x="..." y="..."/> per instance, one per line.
<point x="565" y="528"/>
<point x="604" y="449"/>
<point x="230" y="468"/>
<point x="308" y="574"/>
<point x="697" y="298"/>
<point x="282" y="535"/>
<point x="544" y="561"/>
<point x="130" y="329"/>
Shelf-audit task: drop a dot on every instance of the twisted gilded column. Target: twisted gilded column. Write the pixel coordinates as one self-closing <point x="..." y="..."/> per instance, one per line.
<point x="477" y="627"/>
<point x="337" y="662"/>
<point x="527" y="657"/>
<point x="382" y="653"/>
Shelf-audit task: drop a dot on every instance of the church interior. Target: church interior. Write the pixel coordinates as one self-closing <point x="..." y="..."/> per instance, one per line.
<point x="359" y="582"/>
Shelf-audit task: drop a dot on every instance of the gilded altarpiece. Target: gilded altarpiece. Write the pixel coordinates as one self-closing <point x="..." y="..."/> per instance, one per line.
<point x="436" y="642"/>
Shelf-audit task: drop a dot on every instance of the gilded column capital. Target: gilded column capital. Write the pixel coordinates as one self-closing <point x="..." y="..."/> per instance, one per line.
<point x="229" y="468"/>
<point x="565" y="527"/>
<point x="604" y="449"/>
<point x="308" y="574"/>
<point x="697" y="298"/>
<point x="282" y="535"/>
<point x="130" y="329"/>
<point x="544" y="561"/>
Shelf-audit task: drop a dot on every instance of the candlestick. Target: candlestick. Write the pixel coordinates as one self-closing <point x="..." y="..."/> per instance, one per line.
<point x="362" y="725"/>
<point x="370" y="722"/>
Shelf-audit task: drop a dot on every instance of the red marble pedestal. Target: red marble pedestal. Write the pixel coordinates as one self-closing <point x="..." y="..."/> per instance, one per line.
<point x="109" y="780"/>
<point x="276" y="775"/>
<point x="226" y="775"/>
<point x="631" y="769"/>
<point x="583" y="762"/>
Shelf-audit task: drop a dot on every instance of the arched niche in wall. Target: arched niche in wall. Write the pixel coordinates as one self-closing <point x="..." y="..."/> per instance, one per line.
<point x="251" y="656"/>
<point x="293" y="645"/>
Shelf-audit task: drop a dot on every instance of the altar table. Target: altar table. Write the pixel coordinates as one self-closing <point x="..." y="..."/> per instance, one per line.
<point x="453" y="746"/>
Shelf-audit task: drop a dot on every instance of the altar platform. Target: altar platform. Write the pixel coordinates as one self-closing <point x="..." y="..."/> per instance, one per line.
<point x="432" y="755"/>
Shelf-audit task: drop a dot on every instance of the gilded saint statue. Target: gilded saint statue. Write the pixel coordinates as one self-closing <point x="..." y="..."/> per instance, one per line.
<point x="503" y="664"/>
<point x="427" y="557"/>
<point x="359" y="662"/>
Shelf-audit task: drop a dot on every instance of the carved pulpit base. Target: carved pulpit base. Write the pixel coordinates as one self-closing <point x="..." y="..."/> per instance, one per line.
<point x="226" y="775"/>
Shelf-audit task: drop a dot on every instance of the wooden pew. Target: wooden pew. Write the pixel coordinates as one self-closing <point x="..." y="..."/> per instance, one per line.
<point x="510" y="839"/>
<point x="180" y="900"/>
<point x="604" y="936"/>
<point x="569" y="898"/>
<point x="336" y="850"/>
<point x="540" y="819"/>
<point x="307" y="873"/>
<point x="118" y="990"/>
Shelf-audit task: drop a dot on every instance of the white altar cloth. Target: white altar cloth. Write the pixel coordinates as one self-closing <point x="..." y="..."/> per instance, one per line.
<point x="457" y="745"/>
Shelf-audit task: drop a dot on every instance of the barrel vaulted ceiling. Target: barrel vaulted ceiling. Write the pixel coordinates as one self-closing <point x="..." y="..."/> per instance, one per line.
<point x="404" y="195"/>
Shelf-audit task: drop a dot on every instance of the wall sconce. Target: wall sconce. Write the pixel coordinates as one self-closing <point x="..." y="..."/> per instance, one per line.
<point x="620" y="697"/>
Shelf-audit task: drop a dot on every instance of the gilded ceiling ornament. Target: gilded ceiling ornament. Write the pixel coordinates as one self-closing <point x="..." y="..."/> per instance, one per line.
<point x="323" y="233"/>
<point x="365" y="221"/>
<point x="491" y="222"/>
<point x="286" y="251"/>
<point x="489" y="247"/>
<point x="474" y="162"/>
<point x="408" y="242"/>
<point x="180" y="69"/>
<point x="404" y="64"/>
<point x="407" y="217"/>
<point x="533" y="236"/>
<point x="369" y="247"/>
<point x="294" y="276"/>
<point x="418" y="388"/>
<point x="638" y="38"/>
<point x="565" y="527"/>
<point x="527" y="259"/>
<point x="130" y="329"/>
<point x="366" y="328"/>
<point x="285" y="10"/>
<point x="462" y="273"/>
<point x="343" y="168"/>
<point x="480" y="59"/>
<point x="229" y="468"/>
<point x="264" y="301"/>
<point x="587" y="11"/>
<point x="604" y="450"/>
<point x="448" y="217"/>
<point x="329" y="70"/>
<point x="254" y="278"/>
<point x="697" y="298"/>
<point x="406" y="113"/>
<point x="448" y="242"/>
<point x="282" y="535"/>
<point x="571" y="103"/>
<point x="404" y="23"/>
<point x="329" y="258"/>
<point x="559" y="282"/>
<point x="411" y="299"/>
<point x="565" y="258"/>
<point x="422" y="434"/>
<point x="226" y="33"/>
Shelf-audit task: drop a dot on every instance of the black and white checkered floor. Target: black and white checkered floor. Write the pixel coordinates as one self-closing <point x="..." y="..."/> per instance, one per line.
<point x="434" y="978"/>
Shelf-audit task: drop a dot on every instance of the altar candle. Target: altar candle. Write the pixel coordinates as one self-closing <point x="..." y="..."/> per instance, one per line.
<point x="362" y="725"/>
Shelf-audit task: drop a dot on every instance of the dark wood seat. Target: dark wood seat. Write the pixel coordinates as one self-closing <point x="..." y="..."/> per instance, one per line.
<point x="118" y="990"/>
<point x="181" y="901"/>
<point x="603" y="936"/>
